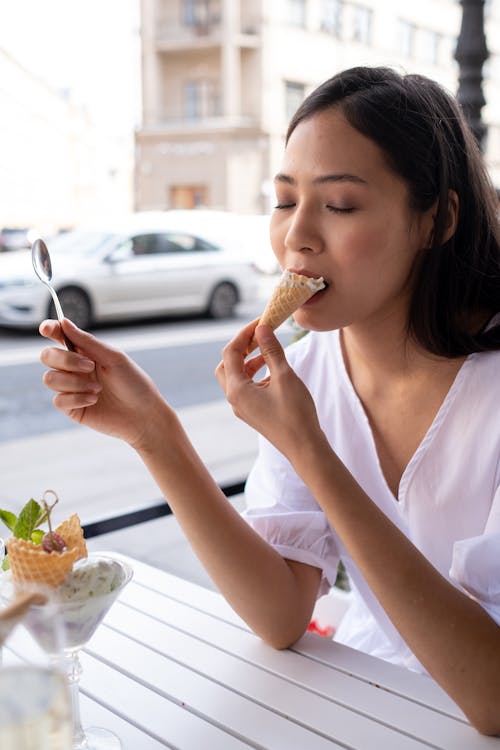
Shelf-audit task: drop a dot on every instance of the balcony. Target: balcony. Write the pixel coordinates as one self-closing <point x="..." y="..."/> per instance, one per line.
<point x="174" y="36"/>
<point x="156" y="123"/>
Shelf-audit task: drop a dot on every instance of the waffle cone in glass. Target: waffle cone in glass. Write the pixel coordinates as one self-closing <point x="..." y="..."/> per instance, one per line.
<point x="29" y="562"/>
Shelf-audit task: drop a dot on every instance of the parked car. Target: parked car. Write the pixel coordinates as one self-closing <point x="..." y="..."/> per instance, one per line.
<point x="14" y="238"/>
<point x="151" y="264"/>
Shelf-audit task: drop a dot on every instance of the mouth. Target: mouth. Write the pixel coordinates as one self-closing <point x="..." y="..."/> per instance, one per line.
<point x="309" y="274"/>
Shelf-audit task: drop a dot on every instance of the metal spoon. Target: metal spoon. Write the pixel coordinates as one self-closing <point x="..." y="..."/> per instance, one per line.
<point x="43" y="268"/>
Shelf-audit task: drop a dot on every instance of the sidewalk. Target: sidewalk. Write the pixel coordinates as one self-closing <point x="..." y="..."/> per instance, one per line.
<point x="98" y="477"/>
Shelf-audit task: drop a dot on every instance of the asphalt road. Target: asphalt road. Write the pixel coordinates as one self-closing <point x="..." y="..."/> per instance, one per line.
<point x="179" y="355"/>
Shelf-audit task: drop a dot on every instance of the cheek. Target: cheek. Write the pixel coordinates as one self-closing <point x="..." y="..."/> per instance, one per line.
<point x="277" y="235"/>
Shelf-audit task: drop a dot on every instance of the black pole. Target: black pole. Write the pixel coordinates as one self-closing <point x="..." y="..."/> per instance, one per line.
<point x="471" y="54"/>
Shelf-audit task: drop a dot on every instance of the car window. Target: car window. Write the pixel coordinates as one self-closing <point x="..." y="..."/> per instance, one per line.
<point x="181" y="242"/>
<point x="171" y="242"/>
<point x="145" y="244"/>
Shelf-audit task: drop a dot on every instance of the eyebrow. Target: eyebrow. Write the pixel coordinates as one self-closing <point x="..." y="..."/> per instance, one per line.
<point x="323" y="179"/>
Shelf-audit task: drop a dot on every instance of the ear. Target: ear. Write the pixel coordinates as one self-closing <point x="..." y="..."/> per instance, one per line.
<point x="452" y="217"/>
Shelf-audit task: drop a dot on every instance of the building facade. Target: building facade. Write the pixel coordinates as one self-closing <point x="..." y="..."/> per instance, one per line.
<point x="221" y="78"/>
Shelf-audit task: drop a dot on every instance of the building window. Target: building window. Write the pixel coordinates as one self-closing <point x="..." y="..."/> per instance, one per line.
<point x="201" y="99"/>
<point x="201" y="13"/>
<point x="405" y="39"/>
<point x="188" y="196"/>
<point x="296" y="12"/>
<point x="294" y="96"/>
<point x="429" y="43"/>
<point x="331" y="21"/>
<point x="361" y="24"/>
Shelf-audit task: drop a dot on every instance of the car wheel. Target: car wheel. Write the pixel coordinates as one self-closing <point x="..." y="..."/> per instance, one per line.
<point x="75" y="305"/>
<point x="222" y="301"/>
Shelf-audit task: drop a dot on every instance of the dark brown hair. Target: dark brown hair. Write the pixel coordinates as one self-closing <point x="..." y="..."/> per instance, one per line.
<point x="425" y="139"/>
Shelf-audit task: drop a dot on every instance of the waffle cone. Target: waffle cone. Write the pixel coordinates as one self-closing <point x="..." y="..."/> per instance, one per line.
<point x="288" y="295"/>
<point x="72" y="533"/>
<point x="29" y="562"/>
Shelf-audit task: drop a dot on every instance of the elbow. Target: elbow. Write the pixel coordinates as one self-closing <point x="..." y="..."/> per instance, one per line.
<point x="282" y="639"/>
<point x="486" y="722"/>
<point x="489" y="730"/>
<point x="487" y="727"/>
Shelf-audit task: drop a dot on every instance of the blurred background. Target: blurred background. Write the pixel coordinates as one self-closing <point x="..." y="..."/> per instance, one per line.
<point x="110" y="106"/>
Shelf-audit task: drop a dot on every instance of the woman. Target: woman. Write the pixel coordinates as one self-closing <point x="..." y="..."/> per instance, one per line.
<point x="380" y="437"/>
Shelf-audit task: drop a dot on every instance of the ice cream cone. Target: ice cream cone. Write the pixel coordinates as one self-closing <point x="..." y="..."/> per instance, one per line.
<point x="292" y="290"/>
<point x="29" y="562"/>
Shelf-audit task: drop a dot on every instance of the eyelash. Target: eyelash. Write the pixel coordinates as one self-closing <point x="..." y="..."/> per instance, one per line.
<point x="333" y="209"/>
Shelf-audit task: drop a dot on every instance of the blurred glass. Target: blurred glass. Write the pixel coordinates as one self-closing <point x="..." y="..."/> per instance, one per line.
<point x="35" y="700"/>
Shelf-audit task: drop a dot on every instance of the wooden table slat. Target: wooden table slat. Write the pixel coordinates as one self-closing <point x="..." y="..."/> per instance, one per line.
<point x="173" y="666"/>
<point x="339" y="693"/>
<point x="204" y="696"/>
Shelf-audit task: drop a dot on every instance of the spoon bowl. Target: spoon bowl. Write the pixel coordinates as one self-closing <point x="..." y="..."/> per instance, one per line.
<point x="43" y="268"/>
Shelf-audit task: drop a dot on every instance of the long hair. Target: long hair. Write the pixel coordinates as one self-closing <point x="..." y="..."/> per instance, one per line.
<point x="426" y="141"/>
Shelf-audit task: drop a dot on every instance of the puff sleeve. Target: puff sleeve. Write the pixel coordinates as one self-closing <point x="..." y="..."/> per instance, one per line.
<point x="476" y="563"/>
<point x="282" y="510"/>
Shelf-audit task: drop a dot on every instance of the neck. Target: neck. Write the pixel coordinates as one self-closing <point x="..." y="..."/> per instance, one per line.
<point x="379" y="357"/>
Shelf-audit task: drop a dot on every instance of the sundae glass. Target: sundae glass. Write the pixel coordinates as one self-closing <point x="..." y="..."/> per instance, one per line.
<point x="80" y="603"/>
<point x="35" y="701"/>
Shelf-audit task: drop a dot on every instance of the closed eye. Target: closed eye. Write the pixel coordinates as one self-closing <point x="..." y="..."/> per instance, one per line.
<point x="337" y="210"/>
<point x="285" y="205"/>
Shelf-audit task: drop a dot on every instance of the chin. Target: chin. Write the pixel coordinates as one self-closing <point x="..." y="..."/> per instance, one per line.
<point x="311" y="323"/>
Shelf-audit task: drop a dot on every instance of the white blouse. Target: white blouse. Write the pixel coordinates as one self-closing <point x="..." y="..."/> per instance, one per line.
<point x="449" y="494"/>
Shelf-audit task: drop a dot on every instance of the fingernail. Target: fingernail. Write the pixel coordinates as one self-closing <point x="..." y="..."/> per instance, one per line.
<point x="86" y="364"/>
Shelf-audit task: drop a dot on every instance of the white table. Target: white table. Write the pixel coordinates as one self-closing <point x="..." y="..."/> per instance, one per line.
<point x="173" y="666"/>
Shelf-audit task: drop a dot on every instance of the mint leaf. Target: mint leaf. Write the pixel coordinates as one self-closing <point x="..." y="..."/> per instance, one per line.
<point x="37" y="536"/>
<point x="27" y="520"/>
<point x="8" y="518"/>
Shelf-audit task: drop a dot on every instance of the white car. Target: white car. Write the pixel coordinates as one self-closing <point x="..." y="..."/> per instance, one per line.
<point x="151" y="264"/>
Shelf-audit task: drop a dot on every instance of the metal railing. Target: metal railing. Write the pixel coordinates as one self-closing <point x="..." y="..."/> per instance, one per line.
<point x="151" y="512"/>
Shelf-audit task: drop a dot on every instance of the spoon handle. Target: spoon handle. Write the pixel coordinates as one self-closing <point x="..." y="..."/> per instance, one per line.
<point x="60" y="315"/>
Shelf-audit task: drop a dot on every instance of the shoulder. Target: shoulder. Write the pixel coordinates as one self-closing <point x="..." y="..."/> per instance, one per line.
<point x="483" y="370"/>
<point x="311" y="348"/>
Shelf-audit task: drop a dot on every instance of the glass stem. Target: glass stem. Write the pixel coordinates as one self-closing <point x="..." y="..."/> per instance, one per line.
<point x="73" y="671"/>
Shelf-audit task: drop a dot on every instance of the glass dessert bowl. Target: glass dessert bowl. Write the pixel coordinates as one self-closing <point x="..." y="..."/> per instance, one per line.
<point x="81" y="603"/>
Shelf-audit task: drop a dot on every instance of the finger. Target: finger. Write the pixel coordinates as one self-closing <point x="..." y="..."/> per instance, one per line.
<point x="64" y="382"/>
<point x="71" y="403"/>
<point x="85" y="343"/>
<point x="242" y="340"/>
<point x="51" y="329"/>
<point x="62" y="359"/>
<point x="235" y="351"/>
<point x="253" y="365"/>
<point x="220" y="374"/>
<point x="270" y="348"/>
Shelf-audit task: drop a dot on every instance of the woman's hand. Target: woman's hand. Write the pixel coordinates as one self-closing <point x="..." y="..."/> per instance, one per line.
<point x="99" y="386"/>
<point x="279" y="406"/>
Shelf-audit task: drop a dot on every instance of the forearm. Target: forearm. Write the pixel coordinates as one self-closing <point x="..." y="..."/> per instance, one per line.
<point x="452" y="636"/>
<point x="252" y="576"/>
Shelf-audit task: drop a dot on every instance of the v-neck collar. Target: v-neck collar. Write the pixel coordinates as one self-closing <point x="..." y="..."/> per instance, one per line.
<point x="439" y="417"/>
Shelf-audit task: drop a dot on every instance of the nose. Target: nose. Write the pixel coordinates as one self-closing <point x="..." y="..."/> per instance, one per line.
<point x="302" y="233"/>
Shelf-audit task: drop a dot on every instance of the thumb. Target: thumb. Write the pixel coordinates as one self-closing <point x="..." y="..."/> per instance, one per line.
<point x="84" y="342"/>
<point x="270" y="347"/>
